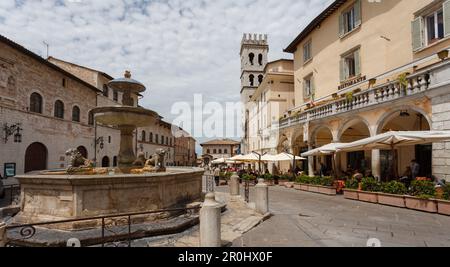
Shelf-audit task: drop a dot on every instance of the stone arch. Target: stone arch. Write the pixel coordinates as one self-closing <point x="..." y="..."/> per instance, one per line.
<point x="317" y="129"/>
<point x="36" y="103"/>
<point x="251" y="58"/>
<point x="351" y="122"/>
<point x="385" y="118"/>
<point x="105" y="162"/>
<point x="283" y="143"/>
<point x="76" y="113"/>
<point x="58" y="109"/>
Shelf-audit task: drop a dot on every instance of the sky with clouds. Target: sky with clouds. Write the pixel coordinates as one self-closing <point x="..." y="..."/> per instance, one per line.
<point x="177" y="48"/>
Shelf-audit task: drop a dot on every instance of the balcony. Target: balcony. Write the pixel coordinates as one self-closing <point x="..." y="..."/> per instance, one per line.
<point x="413" y="85"/>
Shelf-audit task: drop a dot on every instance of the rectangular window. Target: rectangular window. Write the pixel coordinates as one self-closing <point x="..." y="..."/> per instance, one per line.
<point x="350" y="19"/>
<point x="308" y="89"/>
<point x="307" y="55"/>
<point x="435" y="26"/>
<point x="350" y="65"/>
<point x="115" y="96"/>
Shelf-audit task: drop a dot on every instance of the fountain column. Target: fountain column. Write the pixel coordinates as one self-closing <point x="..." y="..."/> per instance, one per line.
<point x="126" y="154"/>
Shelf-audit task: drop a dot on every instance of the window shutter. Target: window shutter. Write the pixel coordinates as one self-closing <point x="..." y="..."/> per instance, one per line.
<point x="342" y="69"/>
<point x="313" y="87"/>
<point x="341" y="25"/>
<point x="357" y="62"/>
<point x="446" y="9"/>
<point x="417" y="34"/>
<point x="357" y="8"/>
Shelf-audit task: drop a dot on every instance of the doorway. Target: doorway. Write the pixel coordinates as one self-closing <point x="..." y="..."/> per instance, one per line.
<point x="36" y="157"/>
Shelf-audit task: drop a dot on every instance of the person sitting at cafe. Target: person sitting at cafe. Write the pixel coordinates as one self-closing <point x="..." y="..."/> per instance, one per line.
<point x="407" y="176"/>
<point x="358" y="175"/>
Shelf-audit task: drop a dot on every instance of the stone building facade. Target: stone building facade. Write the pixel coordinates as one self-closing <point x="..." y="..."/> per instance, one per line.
<point x="51" y="101"/>
<point x="185" y="149"/>
<point x="372" y="67"/>
<point x="217" y="149"/>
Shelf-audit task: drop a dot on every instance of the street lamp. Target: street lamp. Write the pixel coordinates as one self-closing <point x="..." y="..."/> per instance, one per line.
<point x="11" y="130"/>
<point x="100" y="141"/>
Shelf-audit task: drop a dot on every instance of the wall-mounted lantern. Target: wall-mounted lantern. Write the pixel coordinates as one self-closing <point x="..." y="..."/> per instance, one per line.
<point x="100" y="142"/>
<point x="11" y="130"/>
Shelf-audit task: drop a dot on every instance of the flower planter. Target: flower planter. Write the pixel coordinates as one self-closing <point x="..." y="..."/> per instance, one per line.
<point x="370" y="197"/>
<point x="392" y="200"/>
<point x="289" y="185"/>
<point x="313" y="188"/>
<point x="327" y="190"/>
<point x="443" y="207"/>
<point x="415" y="203"/>
<point x="297" y="186"/>
<point x="351" y="194"/>
<point x="304" y="187"/>
<point x="282" y="182"/>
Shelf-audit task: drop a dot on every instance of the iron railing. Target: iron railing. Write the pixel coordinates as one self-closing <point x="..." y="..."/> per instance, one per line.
<point x="116" y="230"/>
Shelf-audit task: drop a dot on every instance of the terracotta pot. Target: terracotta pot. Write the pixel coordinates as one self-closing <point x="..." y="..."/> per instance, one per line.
<point x="313" y="188"/>
<point x="351" y="194"/>
<point x="415" y="203"/>
<point x="443" y="54"/>
<point x="392" y="200"/>
<point x="370" y="197"/>
<point x="327" y="190"/>
<point x="297" y="186"/>
<point x="443" y="207"/>
<point x="304" y="187"/>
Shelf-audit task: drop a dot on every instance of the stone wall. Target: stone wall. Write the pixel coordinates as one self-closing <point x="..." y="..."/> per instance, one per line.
<point x="441" y="151"/>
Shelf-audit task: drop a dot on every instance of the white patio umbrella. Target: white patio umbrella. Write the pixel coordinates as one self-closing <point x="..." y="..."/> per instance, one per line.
<point x="219" y="161"/>
<point x="324" y="150"/>
<point x="392" y="140"/>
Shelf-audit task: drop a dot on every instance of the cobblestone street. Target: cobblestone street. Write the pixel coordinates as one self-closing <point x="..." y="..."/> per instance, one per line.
<point x="311" y="220"/>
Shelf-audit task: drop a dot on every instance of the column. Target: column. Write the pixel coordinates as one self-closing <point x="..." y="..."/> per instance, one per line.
<point x="234" y="185"/>
<point x="310" y="164"/>
<point x="210" y="224"/>
<point x="262" y="197"/>
<point x="376" y="166"/>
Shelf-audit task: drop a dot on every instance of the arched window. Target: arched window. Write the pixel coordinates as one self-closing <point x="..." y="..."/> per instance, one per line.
<point x="167" y="141"/>
<point x="151" y="137"/>
<point x="59" y="109"/>
<point x="162" y="139"/>
<point x="105" y="162"/>
<point x="76" y="114"/>
<point x="260" y="59"/>
<point x="36" y="103"/>
<point x="260" y="79"/>
<point x="105" y="90"/>
<point x="156" y="139"/>
<point x="252" y="79"/>
<point x="144" y="137"/>
<point x="115" y="161"/>
<point x="115" y="95"/>
<point x="251" y="58"/>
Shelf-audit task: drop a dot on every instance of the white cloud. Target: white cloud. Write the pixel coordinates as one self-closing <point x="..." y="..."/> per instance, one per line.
<point x="176" y="47"/>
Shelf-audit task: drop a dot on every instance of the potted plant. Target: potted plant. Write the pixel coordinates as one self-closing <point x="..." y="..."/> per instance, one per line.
<point x="351" y="189"/>
<point x="393" y="194"/>
<point x="421" y="197"/>
<point x="349" y="97"/>
<point x="444" y="203"/>
<point x="369" y="190"/>
<point x="269" y="179"/>
<point x="443" y="55"/>
<point x="314" y="184"/>
<point x="301" y="183"/>
<point x="402" y="80"/>
<point x="326" y="186"/>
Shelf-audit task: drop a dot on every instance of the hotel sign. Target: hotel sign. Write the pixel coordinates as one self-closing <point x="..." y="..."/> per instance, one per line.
<point x="352" y="82"/>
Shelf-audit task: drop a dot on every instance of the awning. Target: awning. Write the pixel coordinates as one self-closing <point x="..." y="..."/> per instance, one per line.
<point x="391" y="140"/>
<point x="324" y="150"/>
<point x="281" y="157"/>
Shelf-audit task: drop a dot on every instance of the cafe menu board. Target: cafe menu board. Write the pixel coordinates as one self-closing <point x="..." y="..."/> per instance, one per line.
<point x="10" y="170"/>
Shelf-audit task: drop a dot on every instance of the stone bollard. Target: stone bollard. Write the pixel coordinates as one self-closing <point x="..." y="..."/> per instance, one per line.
<point x="2" y="234"/>
<point x="234" y="185"/>
<point x="210" y="230"/>
<point x="262" y="197"/>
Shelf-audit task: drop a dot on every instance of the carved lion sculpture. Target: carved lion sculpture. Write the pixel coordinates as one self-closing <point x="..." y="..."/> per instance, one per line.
<point x="77" y="161"/>
<point x="140" y="161"/>
<point x="157" y="161"/>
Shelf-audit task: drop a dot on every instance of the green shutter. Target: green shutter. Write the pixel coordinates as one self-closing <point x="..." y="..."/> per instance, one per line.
<point x="341" y="25"/>
<point x="417" y="34"/>
<point x="357" y="8"/>
<point x="357" y="56"/>
<point x="446" y="8"/>
<point x="342" y="69"/>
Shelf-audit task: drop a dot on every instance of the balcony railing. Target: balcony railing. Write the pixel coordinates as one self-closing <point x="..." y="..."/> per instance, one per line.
<point x="415" y="84"/>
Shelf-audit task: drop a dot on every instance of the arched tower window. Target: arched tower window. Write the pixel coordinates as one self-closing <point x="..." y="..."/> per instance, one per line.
<point x="76" y="114"/>
<point x="144" y="137"/>
<point x="260" y="79"/>
<point x="59" y="109"/>
<point x="251" y="58"/>
<point x="151" y="137"/>
<point x="260" y="59"/>
<point x="36" y="103"/>
<point x="252" y="79"/>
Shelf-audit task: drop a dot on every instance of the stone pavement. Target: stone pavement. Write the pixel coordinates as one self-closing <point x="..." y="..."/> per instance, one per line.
<point x="237" y="220"/>
<point x="302" y="219"/>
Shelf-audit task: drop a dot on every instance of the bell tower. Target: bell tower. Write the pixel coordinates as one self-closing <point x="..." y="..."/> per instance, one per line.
<point x="254" y="52"/>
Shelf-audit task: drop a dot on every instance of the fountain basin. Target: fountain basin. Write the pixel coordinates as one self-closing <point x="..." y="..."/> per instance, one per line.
<point x="124" y="115"/>
<point x="47" y="198"/>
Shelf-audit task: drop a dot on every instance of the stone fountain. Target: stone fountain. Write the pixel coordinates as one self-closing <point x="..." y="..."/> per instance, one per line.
<point x="137" y="185"/>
